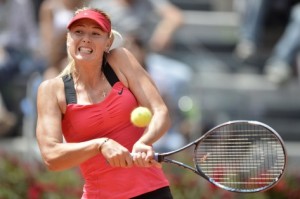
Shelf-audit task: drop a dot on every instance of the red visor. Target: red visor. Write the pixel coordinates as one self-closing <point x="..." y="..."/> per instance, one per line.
<point x="101" y="20"/>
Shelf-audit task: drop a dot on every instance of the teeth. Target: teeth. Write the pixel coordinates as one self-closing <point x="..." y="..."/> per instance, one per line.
<point x="85" y="50"/>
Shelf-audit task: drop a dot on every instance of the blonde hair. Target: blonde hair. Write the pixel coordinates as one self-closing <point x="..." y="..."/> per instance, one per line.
<point x="70" y="67"/>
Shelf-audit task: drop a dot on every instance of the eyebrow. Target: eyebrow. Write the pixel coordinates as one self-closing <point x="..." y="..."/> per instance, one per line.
<point x="95" y="27"/>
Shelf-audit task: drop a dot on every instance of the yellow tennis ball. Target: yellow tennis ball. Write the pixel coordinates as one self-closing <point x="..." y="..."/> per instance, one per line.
<point x="141" y="116"/>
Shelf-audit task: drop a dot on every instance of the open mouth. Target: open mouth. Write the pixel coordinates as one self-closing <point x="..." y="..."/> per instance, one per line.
<point x="85" y="50"/>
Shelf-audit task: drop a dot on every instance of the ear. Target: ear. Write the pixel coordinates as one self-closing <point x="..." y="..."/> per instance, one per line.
<point x="111" y="39"/>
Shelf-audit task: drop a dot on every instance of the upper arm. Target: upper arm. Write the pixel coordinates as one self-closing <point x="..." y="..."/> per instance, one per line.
<point x="143" y="88"/>
<point x="136" y="78"/>
<point x="48" y="129"/>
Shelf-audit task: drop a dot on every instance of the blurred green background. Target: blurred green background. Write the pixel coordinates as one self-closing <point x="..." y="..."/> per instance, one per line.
<point x="21" y="180"/>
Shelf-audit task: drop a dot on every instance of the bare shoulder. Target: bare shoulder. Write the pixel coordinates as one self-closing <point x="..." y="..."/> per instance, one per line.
<point x="123" y="60"/>
<point x="52" y="90"/>
<point x="51" y="85"/>
<point x="119" y="55"/>
<point x="126" y="66"/>
<point x="120" y="59"/>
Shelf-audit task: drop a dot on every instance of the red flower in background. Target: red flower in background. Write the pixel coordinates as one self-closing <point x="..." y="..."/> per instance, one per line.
<point x="35" y="191"/>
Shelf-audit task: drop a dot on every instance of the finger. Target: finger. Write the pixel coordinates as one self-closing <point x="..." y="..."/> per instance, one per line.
<point x="155" y="163"/>
<point x="123" y="163"/>
<point x="145" y="162"/>
<point x="129" y="161"/>
<point x="150" y="155"/>
<point x="137" y="159"/>
<point x="107" y="162"/>
<point x="115" y="162"/>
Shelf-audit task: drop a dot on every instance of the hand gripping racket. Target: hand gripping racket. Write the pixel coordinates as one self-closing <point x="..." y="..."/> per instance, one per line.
<point x="238" y="156"/>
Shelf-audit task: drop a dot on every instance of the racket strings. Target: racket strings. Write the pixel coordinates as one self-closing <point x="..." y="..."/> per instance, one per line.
<point x="241" y="157"/>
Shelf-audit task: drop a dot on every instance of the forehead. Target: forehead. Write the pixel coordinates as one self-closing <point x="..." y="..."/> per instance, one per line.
<point x="86" y="23"/>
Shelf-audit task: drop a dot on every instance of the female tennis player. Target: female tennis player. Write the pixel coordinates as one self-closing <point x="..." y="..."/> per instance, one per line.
<point x="89" y="104"/>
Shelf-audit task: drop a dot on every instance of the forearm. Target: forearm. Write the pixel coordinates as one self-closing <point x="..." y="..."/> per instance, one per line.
<point x="158" y="126"/>
<point x="62" y="156"/>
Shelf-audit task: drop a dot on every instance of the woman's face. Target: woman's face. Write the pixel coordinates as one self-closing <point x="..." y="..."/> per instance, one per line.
<point x="87" y="41"/>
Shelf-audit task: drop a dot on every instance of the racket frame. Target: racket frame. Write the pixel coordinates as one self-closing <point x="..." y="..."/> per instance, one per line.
<point x="162" y="157"/>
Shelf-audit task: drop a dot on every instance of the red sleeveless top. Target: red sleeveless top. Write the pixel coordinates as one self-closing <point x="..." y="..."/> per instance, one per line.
<point x="110" y="118"/>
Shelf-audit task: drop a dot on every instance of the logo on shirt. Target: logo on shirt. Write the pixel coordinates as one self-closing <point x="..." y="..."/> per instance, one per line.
<point x="120" y="92"/>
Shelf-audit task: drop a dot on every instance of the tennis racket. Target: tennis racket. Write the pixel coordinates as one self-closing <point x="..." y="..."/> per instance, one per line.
<point x="238" y="156"/>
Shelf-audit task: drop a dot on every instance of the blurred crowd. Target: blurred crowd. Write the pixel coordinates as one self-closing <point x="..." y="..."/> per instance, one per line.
<point x="281" y="63"/>
<point x="33" y="33"/>
<point x="35" y="43"/>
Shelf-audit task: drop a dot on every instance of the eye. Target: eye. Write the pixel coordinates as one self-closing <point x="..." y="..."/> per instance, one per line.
<point x="78" y="32"/>
<point x="96" y="34"/>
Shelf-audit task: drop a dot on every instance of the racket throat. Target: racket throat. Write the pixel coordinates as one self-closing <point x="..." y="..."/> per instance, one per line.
<point x="182" y="165"/>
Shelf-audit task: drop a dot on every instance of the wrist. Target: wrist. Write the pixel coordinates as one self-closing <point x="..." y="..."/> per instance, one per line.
<point x="102" y="144"/>
<point x="144" y="142"/>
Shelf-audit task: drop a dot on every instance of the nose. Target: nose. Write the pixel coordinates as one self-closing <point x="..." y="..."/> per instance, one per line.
<point x="86" y="38"/>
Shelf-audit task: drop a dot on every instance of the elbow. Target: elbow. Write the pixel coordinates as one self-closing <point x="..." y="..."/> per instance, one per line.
<point x="49" y="166"/>
<point x="52" y="167"/>
<point x="51" y="156"/>
<point x="51" y="163"/>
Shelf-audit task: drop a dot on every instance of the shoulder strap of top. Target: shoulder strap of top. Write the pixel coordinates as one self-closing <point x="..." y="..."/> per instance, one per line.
<point x="109" y="73"/>
<point x="70" y="91"/>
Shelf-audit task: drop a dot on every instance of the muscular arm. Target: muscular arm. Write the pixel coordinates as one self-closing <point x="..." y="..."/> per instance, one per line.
<point x="56" y="154"/>
<point x="144" y="89"/>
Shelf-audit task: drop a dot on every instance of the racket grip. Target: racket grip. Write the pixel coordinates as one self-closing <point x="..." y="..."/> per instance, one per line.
<point x="155" y="156"/>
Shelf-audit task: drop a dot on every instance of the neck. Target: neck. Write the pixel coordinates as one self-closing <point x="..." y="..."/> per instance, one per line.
<point x="88" y="72"/>
<point x="88" y="76"/>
